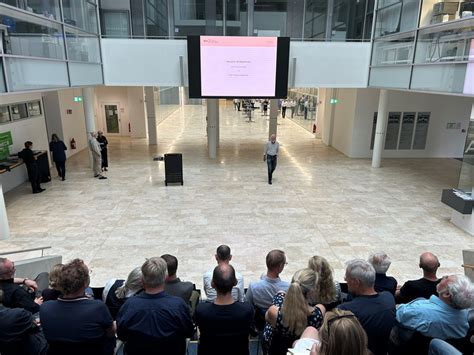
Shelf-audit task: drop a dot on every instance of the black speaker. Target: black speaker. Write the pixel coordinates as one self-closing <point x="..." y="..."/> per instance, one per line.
<point x="173" y="168"/>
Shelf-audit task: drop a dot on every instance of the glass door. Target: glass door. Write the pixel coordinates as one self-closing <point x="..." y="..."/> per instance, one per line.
<point x="112" y="120"/>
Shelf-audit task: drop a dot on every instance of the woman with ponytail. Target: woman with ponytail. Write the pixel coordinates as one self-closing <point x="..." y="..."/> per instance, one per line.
<point x="291" y="313"/>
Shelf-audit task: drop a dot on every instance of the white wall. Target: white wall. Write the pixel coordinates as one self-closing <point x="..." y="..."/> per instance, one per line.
<point x="156" y="63"/>
<point x="441" y="142"/>
<point x="136" y="105"/>
<point x="32" y="129"/>
<point x="342" y="129"/>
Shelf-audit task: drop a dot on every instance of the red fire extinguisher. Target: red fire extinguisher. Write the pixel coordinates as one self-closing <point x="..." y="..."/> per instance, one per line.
<point x="73" y="143"/>
<point x="314" y="127"/>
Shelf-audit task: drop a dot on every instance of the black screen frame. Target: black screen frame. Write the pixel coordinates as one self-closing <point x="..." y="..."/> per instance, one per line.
<point x="194" y="70"/>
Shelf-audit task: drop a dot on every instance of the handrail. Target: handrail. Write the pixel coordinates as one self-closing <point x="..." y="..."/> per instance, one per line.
<point x="26" y="251"/>
<point x="468" y="266"/>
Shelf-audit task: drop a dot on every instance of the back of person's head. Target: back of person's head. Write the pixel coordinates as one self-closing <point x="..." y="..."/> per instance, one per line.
<point x="429" y="262"/>
<point x="460" y="290"/>
<point x="172" y="263"/>
<point x="361" y="270"/>
<point x="54" y="275"/>
<point x="342" y="334"/>
<point x="54" y="137"/>
<point x="132" y="285"/>
<point x="380" y="261"/>
<point x="7" y="270"/>
<point x="223" y="253"/>
<point x="74" y="277"/>
<point x="295" y="306"/>
<point x="326" y="289"/>
<point x="28" y="144"/>
<point x="275" y="260"/>
<point x="223" y="279"/>
<point x="154" y="272"/>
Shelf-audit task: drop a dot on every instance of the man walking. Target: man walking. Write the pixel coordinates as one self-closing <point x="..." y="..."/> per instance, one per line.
<point x="32" y="167"/>
<point x="94" y="146"/>
<point x="270" y="154"/>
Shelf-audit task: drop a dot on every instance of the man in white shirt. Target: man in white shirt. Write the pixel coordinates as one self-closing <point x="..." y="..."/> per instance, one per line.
<point x="270" y="155"/>
<point x="94" y="147"/>
<point x="223" y="256"/>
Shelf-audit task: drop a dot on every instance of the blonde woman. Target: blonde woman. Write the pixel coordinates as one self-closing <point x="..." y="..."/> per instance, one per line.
<point x="291" y="313"/>
<point x="327" y="290"/>
<point x="52" y="292"/>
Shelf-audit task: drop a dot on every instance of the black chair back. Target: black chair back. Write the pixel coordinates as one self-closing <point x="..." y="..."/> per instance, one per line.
<point x="149" y="346"/>
<point x="102" y="346"/>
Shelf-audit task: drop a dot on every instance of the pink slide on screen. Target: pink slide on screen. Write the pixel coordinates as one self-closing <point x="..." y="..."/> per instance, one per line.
<point x="238" y="66"/>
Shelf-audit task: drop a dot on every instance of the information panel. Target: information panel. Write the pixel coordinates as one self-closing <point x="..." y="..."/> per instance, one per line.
<point x="406" y="133"/>
<point x="393" y="126"/>
<point x="421" y="130"/>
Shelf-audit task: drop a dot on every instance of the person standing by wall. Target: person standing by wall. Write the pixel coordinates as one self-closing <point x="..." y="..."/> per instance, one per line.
<point x="103" y="150"/>
<point x="58" y="149"/>
<point x="270" y="155"/>
<point x="32" y="167"/>
<point x="284" y="104"/>
<point x="94" y="147"/>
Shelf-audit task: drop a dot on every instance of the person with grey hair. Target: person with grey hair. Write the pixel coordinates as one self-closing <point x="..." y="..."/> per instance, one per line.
<point x="381" y="262"/>
<point x="444" y="316"/>
<point x="375" y="311"/>
<point x="153" y="318"/>
<point x="94" y="147"/>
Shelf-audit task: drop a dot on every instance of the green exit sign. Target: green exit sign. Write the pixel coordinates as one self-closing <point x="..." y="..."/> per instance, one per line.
<point x="77" y="98"/>
<point x="333" y="101"/>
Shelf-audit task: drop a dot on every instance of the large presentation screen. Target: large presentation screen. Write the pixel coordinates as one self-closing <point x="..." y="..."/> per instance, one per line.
<point x="469" y="78"/>
<point x="222" y="66"/>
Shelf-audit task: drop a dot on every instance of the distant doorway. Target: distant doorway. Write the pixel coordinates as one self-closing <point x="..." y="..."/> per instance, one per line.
<point x="111" y="118"/>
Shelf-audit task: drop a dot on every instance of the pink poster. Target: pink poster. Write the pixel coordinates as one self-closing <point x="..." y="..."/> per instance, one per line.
<point x="469" y="79"/>
<point x="238" y="66"/>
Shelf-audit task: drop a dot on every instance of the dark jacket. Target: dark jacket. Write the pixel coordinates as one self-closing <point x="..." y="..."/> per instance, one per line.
<point x="59" y="151"/>
<point x="15" y="296"/>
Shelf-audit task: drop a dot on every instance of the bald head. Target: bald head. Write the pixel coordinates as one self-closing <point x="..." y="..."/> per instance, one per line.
<point x="429" y="262"/>
<point x="223" y="279"/>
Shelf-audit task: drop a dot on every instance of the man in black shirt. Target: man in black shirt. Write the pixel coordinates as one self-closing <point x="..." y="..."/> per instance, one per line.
<point x="16" y="296"/>
<point x="381" y="262"/>
<point x="424" y="287"/>
<point x="225" y="324"/>
<point x="375" y="311"/>
<point x="32" y="167"/>
<point x="174" y="286"/>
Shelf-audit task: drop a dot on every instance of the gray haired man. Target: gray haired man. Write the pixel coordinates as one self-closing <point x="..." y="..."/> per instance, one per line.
<point x="94" y="147"/>
<point x="375" y="311"/>
<point x="270" y="154"/>
<point x="381" y="262"/>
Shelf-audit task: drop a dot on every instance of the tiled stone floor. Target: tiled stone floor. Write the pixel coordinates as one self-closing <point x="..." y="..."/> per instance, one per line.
<point x="320" y="203"/>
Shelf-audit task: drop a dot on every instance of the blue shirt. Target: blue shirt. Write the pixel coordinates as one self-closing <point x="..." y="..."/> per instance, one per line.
<point x="434" y="318"/>
<point x="154" y="316"/>
<point x="261" y="293"/>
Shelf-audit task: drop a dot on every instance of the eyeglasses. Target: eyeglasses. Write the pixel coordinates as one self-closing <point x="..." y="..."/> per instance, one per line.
<point x="332" y="320"/>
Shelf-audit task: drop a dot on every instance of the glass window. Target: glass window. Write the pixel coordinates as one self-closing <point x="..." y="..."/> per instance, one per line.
<point x="46" y="8"/>
<point x="395" y="16"/>
<point x="18" y="111"/>
<point x="2" y="79"/>
<point x="236" y="18"/>
<point x="198" y="17"/>
<point x="82" y="74"/>
<point x="115" y="23"/>
<point x="156" y="13"/>
<point x="80" y="13"/>
<point x="315" y="19"/>
<point x="4" y="114"/>
<point x="444" y="77"/>
<point x="82" y="47"/>
<point x="34" y="108"/>
<point x="447" y="43"/>
<point x="270" y="18"/>
<point x="32" y="36"/>
<point x="393" y="50"/>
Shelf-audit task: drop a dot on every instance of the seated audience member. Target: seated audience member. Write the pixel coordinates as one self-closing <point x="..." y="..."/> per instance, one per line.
<point x="153" y="319"/>
<point x="341" y="333"/>
<point x="424" y="287"/>
<point x="375" y="311"/>
<point x="327" y="291"/>
<point x="260" y="293"/>
<point x="14" y="295"/>
<point x="173" y="285"/>
<point x="223" y="256"/>
<point x="444" y="316"/>
<point x="52" y="292"/>
<point x="381" y="262"/>
<point x="116" y="292"/>
<point x="74" y="323"/>
<point x="291" y="313"/>
<point x="19" y="332"/>
<point x="224" y="324"/>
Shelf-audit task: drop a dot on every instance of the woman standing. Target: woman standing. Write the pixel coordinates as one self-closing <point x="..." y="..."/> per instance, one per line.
<point x="58" y="148"/>
<point x="103" y="149"/>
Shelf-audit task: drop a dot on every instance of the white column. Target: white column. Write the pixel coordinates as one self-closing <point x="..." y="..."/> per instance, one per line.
<point x="273" y="122"/>
<point x="382" y="118"/>
<point x="88" y="103"/>
<point x="212" y="118"/>
<point x="4" y="229"/>
<point x="151" y="115"/>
